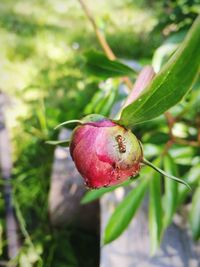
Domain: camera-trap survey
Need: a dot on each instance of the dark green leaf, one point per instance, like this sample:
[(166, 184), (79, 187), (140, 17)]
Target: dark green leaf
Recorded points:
[(123, 214), (170, 84), (195, 214), (98, 64), (155, 211), (171, 191), (97, 193)]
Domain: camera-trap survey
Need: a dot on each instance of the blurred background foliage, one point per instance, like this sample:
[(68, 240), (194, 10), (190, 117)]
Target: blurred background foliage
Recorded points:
[(43, 74)]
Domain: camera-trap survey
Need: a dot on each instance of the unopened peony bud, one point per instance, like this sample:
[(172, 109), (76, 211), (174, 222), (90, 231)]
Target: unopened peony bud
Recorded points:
[(104, 152)]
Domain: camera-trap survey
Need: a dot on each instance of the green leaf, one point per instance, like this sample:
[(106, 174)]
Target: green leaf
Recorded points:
[(151, 150), (182, 155), (155, 211), (102, 102), (107, 103), (99, 65), (170, 84), (125, 211), (97, 193), (58, 142), (171, 191), (163, 52), (192, 177), (91, 106), (195, 214)]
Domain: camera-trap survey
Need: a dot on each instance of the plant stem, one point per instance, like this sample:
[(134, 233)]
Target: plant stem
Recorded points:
[(108, 51), (198, 128), (186, 142), (176, 140), (102, 40), (148, 163), (170, 122)]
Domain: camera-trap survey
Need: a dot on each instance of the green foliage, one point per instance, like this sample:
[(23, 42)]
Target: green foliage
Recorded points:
[(167, 49), (99, 65), (103, 100), (169, 85), (155, 210), (180, 14), (124, 212), (160, 214), (192, 177), (96, 194), (171, 191)]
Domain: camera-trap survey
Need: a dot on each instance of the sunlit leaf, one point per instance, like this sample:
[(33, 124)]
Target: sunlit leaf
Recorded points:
[(170, 84), (124, 212), (163, 52), (107, 103), (97, 193)]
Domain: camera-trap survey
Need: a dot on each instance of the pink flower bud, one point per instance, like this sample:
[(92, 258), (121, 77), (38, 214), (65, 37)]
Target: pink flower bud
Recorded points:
[(104, 152)]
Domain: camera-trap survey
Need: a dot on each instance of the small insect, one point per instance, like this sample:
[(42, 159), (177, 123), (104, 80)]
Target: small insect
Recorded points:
[(121, 144)]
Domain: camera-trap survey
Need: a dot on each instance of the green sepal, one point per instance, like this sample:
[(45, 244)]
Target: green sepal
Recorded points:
[(68, 122)]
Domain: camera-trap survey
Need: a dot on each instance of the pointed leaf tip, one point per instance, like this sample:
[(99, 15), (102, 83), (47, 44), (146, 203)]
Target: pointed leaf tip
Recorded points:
[(148, 163)]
